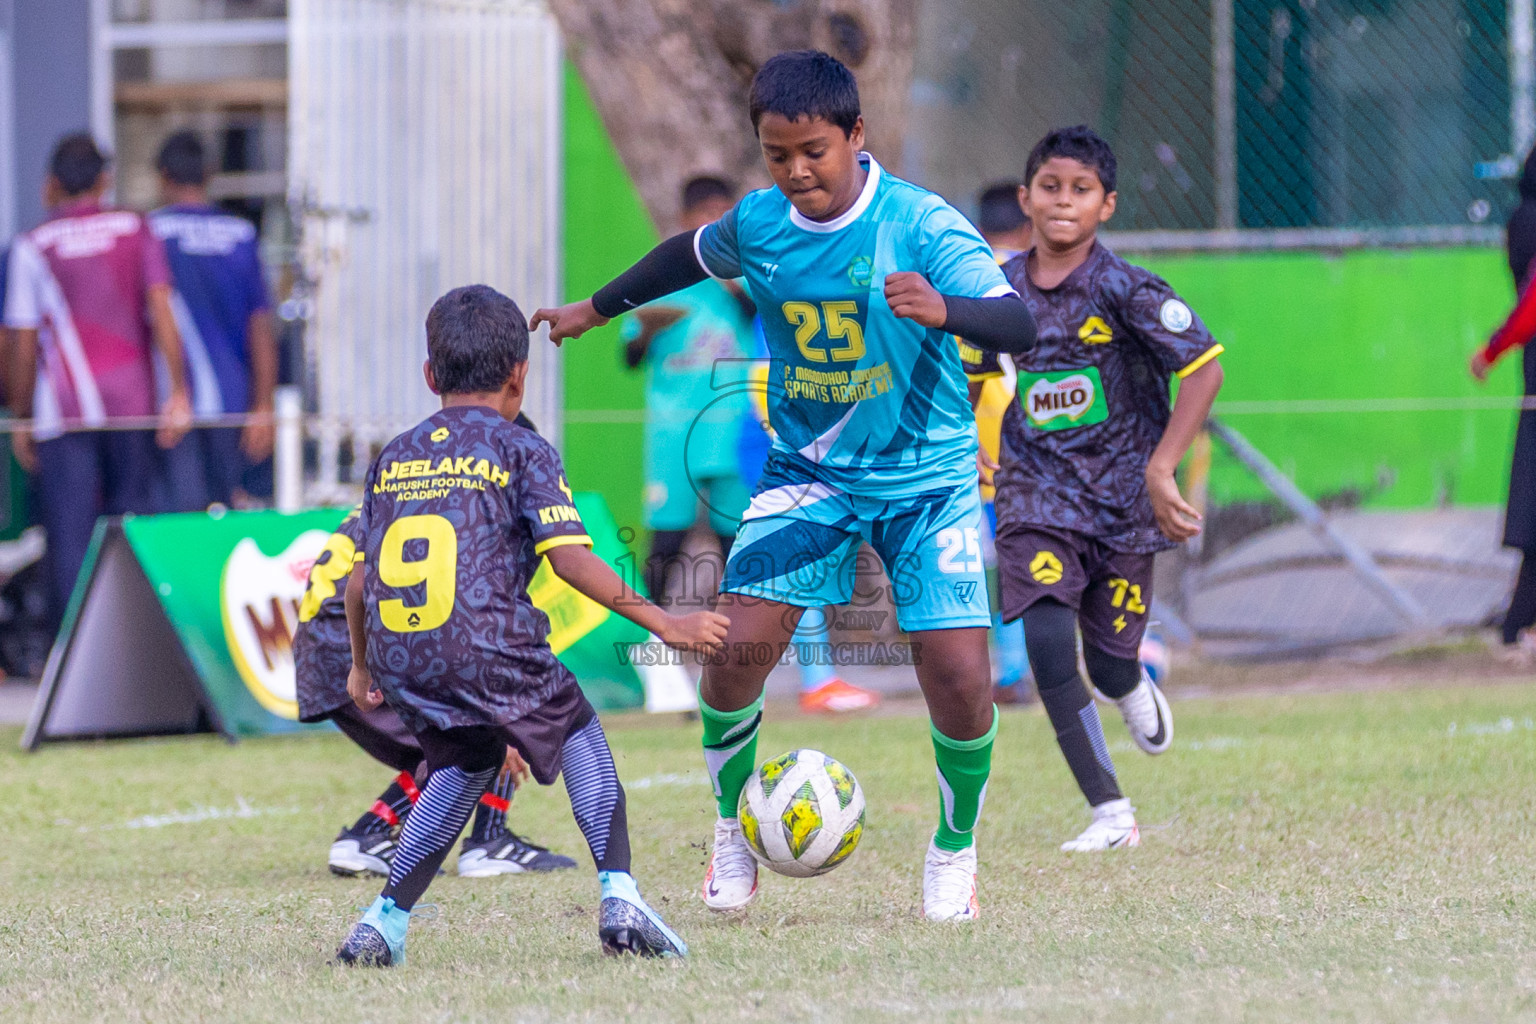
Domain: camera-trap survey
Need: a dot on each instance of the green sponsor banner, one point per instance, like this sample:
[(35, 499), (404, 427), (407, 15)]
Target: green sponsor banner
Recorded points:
[(230, 586), (185, 623)]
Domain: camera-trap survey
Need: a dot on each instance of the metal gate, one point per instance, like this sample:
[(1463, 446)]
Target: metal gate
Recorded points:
[(424, 154)]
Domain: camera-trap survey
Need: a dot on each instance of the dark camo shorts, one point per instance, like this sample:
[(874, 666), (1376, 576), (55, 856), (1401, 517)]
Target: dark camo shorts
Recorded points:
[(1111, 591), (540, 737)]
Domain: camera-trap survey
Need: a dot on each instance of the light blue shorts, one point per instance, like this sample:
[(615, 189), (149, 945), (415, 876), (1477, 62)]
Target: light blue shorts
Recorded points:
[(800, 538)]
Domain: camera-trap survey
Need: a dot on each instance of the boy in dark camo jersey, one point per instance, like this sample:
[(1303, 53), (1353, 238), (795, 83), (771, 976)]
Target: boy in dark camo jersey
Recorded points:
[(456, 513), (1086, 493), (322, 657)]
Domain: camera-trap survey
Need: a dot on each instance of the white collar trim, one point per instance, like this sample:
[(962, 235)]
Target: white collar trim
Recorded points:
[(849, 215)]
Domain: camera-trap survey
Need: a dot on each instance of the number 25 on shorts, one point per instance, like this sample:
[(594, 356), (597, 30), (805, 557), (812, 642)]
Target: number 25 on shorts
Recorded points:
[(437, 568), (962, 549)]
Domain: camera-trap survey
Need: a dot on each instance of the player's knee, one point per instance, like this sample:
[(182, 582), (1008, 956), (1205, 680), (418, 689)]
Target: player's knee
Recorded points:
[(1050, 639), (731, 683), (1114, 676)]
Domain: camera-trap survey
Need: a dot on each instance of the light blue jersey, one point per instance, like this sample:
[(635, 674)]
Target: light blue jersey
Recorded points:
[(877, 404)]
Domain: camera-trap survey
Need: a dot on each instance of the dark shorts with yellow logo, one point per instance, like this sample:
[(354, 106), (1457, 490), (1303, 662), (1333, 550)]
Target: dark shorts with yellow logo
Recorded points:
[(1110, 590)]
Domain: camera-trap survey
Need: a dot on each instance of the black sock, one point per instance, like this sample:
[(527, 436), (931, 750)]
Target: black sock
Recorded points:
[(491, 811), (1051, 640), (435, 822), (597, 798), (1522, 605), (1115, 677), (666, 546), (390, 808)]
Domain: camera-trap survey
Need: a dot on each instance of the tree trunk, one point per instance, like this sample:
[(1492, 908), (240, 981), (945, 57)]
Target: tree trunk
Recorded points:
[(670, 78)]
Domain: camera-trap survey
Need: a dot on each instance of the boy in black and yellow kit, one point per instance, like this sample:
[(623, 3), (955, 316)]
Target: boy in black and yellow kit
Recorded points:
[(1086, 492)]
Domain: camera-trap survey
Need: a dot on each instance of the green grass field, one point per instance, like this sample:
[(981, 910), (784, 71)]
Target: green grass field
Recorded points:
[(1337, 857)]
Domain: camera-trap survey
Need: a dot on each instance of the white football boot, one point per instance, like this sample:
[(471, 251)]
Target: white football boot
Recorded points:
[(1147, 716), (1113, 828), (949, 884), (731, 881), (362, 853)]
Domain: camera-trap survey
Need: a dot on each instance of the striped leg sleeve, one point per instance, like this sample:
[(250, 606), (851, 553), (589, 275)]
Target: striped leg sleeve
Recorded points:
[(433, 825), (597, 798)]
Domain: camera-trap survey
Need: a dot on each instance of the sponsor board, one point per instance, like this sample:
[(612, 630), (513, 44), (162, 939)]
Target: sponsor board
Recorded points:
[(184, 623)]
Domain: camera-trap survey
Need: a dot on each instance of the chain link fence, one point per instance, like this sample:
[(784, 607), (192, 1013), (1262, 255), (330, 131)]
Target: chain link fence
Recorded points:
[(1365, 115)]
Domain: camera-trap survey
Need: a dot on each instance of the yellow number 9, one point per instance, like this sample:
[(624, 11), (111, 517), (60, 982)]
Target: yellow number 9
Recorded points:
[(324, 576), (438, 569)]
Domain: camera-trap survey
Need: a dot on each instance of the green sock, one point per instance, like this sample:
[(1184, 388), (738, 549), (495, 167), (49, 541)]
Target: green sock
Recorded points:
[(964, 766), (730, 750)]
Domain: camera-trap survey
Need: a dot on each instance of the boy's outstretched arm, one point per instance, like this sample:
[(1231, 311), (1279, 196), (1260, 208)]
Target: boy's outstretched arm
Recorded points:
[(670, 267), (590, 575), (359, 681), (1177, 518)]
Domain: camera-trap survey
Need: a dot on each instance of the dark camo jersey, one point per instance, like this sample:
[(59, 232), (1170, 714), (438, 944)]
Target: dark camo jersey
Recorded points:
[(322, 650), (1092, 400), (455, 514)]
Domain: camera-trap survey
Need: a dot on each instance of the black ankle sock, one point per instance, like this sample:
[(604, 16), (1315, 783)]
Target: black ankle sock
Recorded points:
[(1522, 605)]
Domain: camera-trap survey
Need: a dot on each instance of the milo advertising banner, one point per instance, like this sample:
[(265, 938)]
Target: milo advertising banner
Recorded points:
[(184, 623)]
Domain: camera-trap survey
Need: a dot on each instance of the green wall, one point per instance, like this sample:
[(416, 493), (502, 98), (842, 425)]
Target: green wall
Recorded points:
[(1310, 327), (606, 229), (1362, 326)]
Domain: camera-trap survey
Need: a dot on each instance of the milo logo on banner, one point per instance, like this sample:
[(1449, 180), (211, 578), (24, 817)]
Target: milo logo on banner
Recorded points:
[(259, 599), (1069, 398)]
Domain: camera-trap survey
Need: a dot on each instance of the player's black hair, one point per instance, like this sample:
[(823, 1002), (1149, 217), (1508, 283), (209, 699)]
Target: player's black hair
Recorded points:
[(475, 337), (704, 187), (999, 208), (182, 160), (805, 83), (1079, 143), (76, 163)]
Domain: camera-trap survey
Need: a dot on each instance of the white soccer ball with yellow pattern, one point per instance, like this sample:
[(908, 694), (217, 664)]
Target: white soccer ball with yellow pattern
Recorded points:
[(802, 813)]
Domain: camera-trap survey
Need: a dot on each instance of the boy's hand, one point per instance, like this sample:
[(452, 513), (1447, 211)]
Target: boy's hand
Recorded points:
[(175, 419), (1176, 517), (515, 766), (985, 466), (25, 449), (1479, 366), (570, 321), (911, 296), (701, 629), (361, 689)]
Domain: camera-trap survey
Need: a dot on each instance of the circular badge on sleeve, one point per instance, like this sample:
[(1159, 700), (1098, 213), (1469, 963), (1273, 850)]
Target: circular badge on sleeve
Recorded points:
[(1176, 316)]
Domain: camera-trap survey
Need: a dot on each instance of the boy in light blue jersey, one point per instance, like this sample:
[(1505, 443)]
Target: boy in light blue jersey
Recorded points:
[(860, 279)]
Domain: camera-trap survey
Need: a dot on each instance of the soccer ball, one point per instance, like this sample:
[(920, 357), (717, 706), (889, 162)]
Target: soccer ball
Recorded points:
[(1154, 657), (802, 813)]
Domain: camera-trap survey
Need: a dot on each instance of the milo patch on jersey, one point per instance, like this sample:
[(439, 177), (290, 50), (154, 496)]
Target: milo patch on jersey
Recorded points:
[(1065, 399)]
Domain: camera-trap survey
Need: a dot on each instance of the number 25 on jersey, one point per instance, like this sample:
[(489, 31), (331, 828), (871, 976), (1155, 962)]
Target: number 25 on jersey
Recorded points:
[(841, 324)]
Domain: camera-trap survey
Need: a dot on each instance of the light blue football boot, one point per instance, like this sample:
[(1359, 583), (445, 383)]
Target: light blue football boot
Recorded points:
[(378, 940), (627, 924)]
